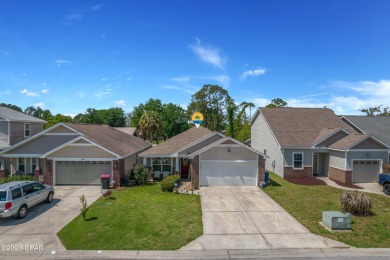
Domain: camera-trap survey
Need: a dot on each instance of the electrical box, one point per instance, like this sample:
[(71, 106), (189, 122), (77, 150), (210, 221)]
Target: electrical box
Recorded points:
[(336, 220)]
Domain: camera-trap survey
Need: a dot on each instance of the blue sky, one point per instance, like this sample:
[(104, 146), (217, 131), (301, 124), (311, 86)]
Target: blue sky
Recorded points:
[(67, 56)]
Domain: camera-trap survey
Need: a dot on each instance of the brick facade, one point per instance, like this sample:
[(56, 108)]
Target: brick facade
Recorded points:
[(118, 171), (194, 171), (289, 172), (342, 176), (260, 169), (37, 173), (3, 173), (48, 177)]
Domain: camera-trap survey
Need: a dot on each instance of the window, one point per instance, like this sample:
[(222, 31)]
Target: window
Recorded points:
[(22, 165), (3, 195), (37, 186), (34, 164), (161, 164), (298, 160), (16, 193), (26, 130), (27, 189), (265, 151)]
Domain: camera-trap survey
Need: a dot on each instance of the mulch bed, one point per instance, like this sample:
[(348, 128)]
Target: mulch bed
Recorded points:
[(352, 186), (306, 181)]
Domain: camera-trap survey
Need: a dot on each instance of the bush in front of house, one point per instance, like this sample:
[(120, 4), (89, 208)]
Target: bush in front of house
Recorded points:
[(17, 178), (168, 184), (141, 174), (356, 203)]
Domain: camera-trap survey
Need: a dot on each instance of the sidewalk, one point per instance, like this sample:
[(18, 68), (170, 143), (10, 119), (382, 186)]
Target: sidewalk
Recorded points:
[(211, 254)]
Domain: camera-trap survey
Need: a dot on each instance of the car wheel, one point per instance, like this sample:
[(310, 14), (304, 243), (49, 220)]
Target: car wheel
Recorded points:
[(386, 188), (49, 198), (22, 212)]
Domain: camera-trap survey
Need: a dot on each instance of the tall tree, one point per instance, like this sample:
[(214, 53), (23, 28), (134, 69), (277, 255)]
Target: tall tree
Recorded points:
[(138, 111), (212, 101), (376, 111), (277, 102), (58, 118), (14, 107), (149, 123), (175, 120)]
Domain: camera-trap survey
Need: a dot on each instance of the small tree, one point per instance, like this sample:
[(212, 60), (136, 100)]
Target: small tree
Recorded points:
[(141, 174), (84, 206)]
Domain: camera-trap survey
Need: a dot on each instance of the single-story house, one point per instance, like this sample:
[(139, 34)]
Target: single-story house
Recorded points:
[(378, 126), (74, 154), (304, 142), (207, 158)]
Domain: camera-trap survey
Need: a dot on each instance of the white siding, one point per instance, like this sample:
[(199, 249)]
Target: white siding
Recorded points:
[(337, 160), (262, 139), (384, 156)]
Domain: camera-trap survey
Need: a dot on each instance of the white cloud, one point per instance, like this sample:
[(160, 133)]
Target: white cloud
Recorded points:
[(39, 104), (182, 79), (29, 93), (104, 79), (222, 79), (256, 72), (75, 16), (3, 93), (44, 91), (121, 103), (209, 55), (107, 92), (97, 7), (60, 62), (186, 89), (129, 78), (261, 102), (80, 94)]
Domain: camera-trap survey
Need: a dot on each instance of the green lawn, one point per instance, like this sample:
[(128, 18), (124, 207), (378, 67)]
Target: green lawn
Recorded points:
[(139, 218), (306, 204)]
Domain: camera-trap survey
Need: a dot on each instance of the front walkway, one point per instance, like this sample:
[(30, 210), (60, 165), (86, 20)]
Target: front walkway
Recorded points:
[(367, 187), (247, 218)]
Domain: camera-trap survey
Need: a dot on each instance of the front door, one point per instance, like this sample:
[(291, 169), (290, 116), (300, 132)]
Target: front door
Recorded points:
[(315, 164), (184, 168)]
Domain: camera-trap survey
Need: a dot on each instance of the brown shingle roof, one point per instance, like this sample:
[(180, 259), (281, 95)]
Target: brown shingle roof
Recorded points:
[(348, 141), (326, 132), (177, 142), (110, 138), (300, 127), (127, 130)]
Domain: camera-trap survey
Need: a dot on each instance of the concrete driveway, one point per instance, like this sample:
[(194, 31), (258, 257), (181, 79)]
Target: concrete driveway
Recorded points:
[(43, 221), (247, 218)]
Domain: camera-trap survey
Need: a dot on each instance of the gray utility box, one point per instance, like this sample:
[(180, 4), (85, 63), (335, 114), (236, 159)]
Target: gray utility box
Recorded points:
[(336, 220)]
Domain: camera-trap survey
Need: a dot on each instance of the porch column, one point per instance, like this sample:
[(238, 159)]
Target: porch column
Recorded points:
[(144, 160), (177, 165)]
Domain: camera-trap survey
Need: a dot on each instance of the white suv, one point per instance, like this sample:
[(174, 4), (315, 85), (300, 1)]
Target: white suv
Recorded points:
[(18, 196)]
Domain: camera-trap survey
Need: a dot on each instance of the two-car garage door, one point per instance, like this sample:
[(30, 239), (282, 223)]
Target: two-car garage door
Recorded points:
[(81, 172), (365, 171), (228, 173)]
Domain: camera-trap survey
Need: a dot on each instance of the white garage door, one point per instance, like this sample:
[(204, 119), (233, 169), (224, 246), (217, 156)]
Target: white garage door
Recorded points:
[(81, 172), (228, 173), (365, 171)]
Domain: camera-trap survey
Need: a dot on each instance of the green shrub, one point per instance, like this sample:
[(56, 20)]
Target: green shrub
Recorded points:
[(168, 183), (17, 178), (141, 174), (357, 203)]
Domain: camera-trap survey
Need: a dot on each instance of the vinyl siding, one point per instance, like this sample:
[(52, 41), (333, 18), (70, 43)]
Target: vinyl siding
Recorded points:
[(307, 157), (369, 144), (81, 152), (3, 132), (262, 139), (337, 159), (129, 163), (17, 131), (202, 144), (222, 153), (61, 129), (352, 155)]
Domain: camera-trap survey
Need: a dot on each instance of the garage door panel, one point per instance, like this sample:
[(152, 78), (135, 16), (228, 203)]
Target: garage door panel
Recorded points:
[(81, 173), (365, 171), (228, 173)]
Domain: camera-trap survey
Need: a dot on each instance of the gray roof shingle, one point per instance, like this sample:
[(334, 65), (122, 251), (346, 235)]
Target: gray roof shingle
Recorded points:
[(14, 115)]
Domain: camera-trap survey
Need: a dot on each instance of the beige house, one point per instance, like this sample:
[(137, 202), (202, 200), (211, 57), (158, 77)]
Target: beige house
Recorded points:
[(74, 154), (305, 142), (206, 158)]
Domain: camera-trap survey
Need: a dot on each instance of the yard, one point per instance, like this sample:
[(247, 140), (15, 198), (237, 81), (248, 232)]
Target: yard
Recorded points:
[(139, 218), (306, 204)]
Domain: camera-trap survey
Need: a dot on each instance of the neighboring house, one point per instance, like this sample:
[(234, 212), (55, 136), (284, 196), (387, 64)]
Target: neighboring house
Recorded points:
[(378, 126), (75, 154), (304, 142), (129, 130), (16, 126), (207, 158)]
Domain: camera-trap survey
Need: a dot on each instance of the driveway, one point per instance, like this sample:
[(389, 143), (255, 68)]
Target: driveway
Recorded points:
[(247, 218), (43, 221), (371, 187)]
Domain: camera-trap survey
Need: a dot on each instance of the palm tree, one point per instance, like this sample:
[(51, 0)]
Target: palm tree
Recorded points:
[(149, 123)]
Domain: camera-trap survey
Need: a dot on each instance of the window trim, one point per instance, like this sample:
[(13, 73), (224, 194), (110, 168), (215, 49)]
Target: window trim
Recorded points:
[(293, 160), (161, 164), (29, 130), (24, 163), (31, 163)]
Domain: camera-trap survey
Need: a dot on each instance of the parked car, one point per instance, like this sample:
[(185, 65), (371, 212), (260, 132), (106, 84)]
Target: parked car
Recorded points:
[(18, 196), (384, 180)]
